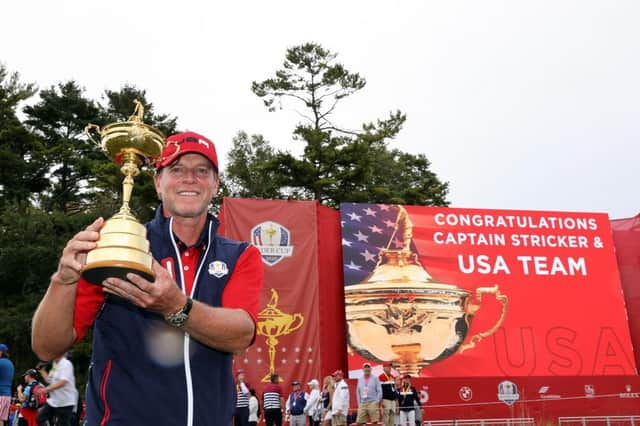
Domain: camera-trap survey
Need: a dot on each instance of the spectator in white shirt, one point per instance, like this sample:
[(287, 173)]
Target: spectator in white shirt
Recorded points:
[(314, 403), (63, 395), (340, 402), (254, 408)]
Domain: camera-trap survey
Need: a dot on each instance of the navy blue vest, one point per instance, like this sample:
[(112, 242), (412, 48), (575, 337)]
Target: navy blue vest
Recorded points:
[(144, 372)]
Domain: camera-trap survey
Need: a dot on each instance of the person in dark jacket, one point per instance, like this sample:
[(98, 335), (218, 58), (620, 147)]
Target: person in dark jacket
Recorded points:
[(296, 403), (162, 350), (407, 397)]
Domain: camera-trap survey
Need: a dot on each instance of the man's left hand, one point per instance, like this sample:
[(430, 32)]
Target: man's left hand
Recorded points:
[(162, 296)]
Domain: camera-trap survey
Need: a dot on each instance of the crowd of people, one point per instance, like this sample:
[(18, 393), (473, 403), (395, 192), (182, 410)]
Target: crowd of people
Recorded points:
[(389, 398), (45, 395), (48, 396)]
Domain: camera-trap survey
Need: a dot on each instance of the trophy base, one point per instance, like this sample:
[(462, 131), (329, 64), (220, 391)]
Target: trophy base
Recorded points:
[(97, 272)]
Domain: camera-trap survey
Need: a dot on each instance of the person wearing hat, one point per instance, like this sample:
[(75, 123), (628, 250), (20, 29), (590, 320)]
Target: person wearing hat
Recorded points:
[(389, 396), (369, 394), (7, 370), (162, 350), (273, 401), (313, 409), (30, 378), (340, 400), (407, 398), (296, 403)]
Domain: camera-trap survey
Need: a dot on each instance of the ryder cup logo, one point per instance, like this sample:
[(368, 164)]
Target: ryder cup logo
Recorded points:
[(508, 392), (218, 269), (273, 240)]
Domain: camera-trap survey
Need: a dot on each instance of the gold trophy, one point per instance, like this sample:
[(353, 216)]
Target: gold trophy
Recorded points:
[(123, 245), (273, 323), (400, 314)]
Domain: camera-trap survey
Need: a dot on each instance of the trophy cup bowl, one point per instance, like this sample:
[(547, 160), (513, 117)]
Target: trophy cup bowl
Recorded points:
[(123, 246), (131, 136), (401, 315)]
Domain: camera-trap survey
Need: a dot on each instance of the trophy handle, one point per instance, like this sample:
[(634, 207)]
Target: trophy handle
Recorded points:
[(87, 131), (300, 320), (502, 299)]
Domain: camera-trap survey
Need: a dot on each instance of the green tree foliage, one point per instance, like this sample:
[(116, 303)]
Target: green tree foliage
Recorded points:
[(59, 119), (119, 105), (339, 164), (248, 173), (22, 171), (30, 244)]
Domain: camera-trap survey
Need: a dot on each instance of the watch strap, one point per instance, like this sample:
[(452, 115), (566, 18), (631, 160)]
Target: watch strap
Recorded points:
[(178, 318)]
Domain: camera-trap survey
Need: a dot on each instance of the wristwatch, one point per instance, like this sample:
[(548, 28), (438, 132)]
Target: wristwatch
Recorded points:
[(177, 319)]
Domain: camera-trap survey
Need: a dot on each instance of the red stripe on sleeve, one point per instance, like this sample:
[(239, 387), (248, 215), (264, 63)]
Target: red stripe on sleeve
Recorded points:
[(89, 300), (243, 289)]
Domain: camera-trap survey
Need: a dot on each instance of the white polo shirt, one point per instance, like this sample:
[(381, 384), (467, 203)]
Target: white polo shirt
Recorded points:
[(68, 394)]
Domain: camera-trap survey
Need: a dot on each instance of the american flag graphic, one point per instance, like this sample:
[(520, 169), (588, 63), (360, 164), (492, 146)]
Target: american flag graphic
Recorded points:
[(366, 229)]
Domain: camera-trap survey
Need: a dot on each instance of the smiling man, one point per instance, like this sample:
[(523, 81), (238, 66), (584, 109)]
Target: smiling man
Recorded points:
[(162, 350)]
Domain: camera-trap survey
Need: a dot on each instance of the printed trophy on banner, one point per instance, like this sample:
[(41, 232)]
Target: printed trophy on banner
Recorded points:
[(400, 314), (123, 245), (274, 323)]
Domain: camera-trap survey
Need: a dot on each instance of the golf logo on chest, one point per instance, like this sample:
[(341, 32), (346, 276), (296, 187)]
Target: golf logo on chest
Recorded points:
[(218, 269)]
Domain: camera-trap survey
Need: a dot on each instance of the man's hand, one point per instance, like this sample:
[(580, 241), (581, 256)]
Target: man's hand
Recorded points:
[(162, 296), (74, 255)]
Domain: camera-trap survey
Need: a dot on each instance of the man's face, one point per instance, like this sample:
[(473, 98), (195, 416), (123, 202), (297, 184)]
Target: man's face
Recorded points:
[(187, 186), (366, 370), (387, 369)]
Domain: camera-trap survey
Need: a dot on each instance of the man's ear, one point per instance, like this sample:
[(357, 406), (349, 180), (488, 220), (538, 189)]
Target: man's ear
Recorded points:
[(156, 183)]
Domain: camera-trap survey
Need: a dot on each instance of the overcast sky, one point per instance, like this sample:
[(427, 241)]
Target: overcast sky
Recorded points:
[(528, 105)]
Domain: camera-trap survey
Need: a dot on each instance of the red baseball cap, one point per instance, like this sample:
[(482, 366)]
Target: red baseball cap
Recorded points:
[(338, 372), (184, 143), (387, 364)]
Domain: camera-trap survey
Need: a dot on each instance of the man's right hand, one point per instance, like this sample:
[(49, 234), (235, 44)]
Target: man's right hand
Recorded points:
[(74, 255)]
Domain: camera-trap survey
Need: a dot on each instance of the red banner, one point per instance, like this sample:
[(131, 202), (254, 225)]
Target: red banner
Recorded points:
[(626, 235), (466, 292), (289, 328)]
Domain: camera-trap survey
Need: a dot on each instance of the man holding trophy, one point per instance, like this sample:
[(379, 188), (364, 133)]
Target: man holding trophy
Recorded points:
[(165, 327)]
